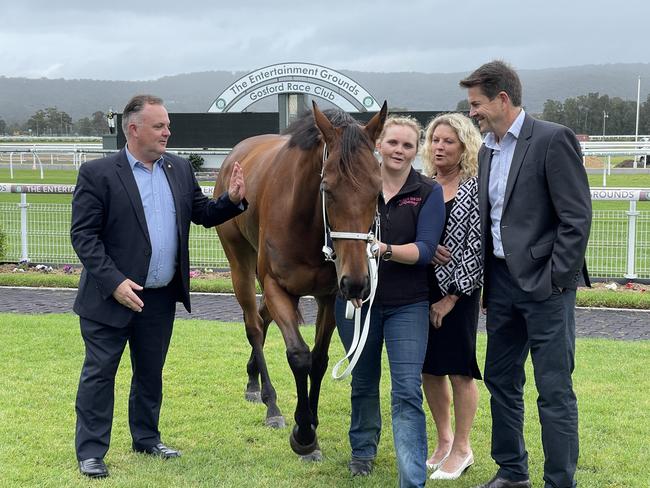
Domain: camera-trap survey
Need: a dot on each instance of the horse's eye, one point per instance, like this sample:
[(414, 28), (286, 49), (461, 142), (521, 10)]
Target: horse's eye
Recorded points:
[(323, 187)]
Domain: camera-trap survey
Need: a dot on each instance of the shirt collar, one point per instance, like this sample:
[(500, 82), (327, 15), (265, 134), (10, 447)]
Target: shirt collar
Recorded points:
[(515, 129), (133, 161)]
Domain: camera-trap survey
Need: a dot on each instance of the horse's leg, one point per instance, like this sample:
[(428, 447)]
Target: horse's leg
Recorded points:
[(284, 308), (274, 416), (325, 324), (253, 390), (243, 262)]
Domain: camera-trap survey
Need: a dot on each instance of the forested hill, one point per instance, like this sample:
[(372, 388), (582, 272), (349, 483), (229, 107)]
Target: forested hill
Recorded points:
[(194, 92)]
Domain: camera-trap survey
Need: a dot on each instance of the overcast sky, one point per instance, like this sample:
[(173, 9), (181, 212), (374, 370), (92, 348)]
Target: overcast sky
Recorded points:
[(144, 40)]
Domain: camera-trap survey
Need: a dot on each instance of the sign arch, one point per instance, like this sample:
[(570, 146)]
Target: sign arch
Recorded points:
[(291, 78)]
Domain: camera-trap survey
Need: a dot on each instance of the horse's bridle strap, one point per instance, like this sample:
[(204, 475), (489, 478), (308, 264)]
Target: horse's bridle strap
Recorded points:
[(349, 235)]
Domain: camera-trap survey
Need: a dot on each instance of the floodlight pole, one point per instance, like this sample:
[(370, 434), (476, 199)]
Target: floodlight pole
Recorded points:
[(638, 104)]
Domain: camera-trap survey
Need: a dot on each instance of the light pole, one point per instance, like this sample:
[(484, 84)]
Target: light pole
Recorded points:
[(638, 104), (605, 117)]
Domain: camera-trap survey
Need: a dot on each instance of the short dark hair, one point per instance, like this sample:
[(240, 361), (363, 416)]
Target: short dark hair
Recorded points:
[(135, 105), (495, 77)]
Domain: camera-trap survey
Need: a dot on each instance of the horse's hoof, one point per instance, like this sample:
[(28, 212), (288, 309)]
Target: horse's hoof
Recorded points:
[(303, 449), (314, 457), (253, 396), (276, 422)]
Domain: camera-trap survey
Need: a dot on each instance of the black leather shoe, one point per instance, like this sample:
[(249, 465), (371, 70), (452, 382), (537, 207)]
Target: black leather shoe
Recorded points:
[(497, 482), (93, 468), (160, 450), (360, 467)]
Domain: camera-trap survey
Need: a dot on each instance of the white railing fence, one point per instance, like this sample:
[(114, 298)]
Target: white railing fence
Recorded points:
[(619, 244)]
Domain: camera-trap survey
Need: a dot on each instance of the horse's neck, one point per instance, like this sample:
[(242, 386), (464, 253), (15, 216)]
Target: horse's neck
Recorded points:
[(305, 192)]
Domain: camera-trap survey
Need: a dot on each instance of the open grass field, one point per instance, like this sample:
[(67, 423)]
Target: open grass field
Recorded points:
[(223, 440)]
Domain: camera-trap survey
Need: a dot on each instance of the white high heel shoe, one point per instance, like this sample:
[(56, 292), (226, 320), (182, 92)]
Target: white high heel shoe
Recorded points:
[(434, 466), (439, 474)]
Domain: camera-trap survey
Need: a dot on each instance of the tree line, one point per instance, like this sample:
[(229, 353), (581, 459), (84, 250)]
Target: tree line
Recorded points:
[(594, 114), (54, 122)]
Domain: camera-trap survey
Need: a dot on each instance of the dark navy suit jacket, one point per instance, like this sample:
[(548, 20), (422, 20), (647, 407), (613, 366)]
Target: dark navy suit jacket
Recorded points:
[(109, 231)]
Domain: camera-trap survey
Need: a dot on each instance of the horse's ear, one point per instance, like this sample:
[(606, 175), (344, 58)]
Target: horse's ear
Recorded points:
[(376, 124), (324, 125)]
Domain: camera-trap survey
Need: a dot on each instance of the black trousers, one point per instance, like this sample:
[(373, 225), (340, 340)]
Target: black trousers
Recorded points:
[(148, 335), (516, 325)]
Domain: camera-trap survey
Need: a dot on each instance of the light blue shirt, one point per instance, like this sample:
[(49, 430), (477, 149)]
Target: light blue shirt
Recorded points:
[(160, 214), (502, 152)]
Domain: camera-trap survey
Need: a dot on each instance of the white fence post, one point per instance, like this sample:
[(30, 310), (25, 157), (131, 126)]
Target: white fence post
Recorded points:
[(23, 227), (631, 240), (609, 165)]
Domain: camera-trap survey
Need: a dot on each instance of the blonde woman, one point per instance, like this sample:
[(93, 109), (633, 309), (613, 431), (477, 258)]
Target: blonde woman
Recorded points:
[(449, 155)]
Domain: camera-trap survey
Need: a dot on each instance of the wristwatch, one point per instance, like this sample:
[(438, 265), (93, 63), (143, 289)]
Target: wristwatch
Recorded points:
[(453, 290), (388, 253)]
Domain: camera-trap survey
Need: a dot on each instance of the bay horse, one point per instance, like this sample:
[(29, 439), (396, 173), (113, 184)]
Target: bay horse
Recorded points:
[(323, 155)]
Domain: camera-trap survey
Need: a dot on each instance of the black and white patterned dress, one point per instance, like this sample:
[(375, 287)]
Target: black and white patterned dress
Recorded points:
[(452, 347)]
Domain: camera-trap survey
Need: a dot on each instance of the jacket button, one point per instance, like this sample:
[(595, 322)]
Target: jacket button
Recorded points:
[(147, 252)]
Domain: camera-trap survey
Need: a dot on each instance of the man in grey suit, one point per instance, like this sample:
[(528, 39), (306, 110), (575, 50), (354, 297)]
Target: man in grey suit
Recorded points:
[(535, 219)]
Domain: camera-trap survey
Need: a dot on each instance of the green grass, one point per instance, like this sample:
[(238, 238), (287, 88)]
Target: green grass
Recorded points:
[(222, 437)]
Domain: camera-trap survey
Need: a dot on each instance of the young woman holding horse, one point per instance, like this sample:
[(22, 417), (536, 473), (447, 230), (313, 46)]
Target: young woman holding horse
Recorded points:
[(450, 154), (412, 217)]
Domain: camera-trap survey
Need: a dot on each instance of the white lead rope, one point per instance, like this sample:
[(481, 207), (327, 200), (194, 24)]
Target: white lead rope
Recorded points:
[(360, 334)]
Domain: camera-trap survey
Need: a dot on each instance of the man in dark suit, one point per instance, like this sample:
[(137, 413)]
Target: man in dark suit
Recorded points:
[(131, 216), (535, 219)]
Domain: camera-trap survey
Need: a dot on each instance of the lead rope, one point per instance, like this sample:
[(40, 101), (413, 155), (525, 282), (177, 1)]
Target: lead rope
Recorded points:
[(360, 334)]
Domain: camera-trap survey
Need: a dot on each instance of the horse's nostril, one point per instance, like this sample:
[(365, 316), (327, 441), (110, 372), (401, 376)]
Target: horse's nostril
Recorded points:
[(355, 288)]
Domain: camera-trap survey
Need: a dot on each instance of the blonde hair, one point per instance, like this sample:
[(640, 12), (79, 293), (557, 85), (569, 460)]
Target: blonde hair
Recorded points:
[(402, 120), (469, 137)]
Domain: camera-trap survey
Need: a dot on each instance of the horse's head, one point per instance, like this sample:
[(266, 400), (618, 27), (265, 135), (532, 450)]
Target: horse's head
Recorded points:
[(351, 184)]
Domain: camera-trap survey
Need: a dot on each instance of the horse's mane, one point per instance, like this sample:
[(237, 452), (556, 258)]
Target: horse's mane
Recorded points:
[(305, 135)]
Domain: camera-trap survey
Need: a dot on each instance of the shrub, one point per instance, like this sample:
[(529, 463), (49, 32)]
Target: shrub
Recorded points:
[(196, 160), (3, 244)]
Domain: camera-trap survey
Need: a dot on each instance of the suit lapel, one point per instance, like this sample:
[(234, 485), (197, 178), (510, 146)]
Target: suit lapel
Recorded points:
[(125, 173), (484, 163), (518, 157), (172, 178)]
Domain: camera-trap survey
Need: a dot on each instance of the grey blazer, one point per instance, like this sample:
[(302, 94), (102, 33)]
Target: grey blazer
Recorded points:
[(546, 210)]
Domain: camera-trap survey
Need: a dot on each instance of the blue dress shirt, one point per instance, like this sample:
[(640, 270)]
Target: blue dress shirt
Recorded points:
[(160, 214), (502, 152)]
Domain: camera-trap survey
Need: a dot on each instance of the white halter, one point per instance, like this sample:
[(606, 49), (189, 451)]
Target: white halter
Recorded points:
[(360, 334)]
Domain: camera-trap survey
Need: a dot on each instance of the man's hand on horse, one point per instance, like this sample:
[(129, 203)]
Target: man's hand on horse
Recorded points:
[(125, 294), (236, 190)]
